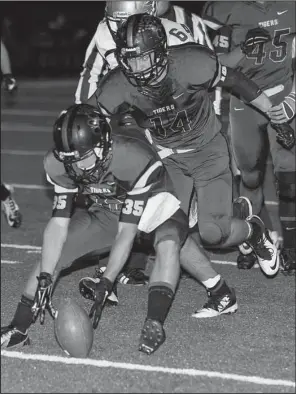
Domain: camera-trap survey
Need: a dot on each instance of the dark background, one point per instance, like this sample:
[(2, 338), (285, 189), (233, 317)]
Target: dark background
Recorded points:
[(49, 38)]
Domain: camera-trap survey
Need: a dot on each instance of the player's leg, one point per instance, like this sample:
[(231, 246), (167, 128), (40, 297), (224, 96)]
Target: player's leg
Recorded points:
[(217, 226), (87, 231), (248, 142), (284, 166), (9, 206), (250, 147), (163, 279), (8, 79)]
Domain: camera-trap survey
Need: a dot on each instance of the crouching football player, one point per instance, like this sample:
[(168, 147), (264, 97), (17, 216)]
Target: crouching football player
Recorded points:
[(86, 157)]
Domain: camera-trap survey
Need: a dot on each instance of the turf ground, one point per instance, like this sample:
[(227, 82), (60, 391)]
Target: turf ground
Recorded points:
[(250, 351)]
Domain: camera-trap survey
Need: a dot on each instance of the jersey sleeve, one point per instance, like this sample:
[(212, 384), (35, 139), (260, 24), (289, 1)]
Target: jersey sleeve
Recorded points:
[(216, 15), (65, 190), (150, 190)]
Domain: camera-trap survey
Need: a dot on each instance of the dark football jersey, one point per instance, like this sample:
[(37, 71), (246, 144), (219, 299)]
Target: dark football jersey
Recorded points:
[(135, 174), (270, 63), (180, 113)]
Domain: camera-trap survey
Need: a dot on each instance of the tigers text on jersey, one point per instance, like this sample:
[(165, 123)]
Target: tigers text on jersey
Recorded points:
[(99, 57), (270, 63), (135, 174), (180, 113)]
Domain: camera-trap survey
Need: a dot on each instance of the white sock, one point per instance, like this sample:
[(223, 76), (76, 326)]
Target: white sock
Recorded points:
[(210, 283)]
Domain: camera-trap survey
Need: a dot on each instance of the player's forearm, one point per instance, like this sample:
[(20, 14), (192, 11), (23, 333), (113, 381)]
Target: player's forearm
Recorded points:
[(54, 237), (231, 59), (245, 88), (120, 250)]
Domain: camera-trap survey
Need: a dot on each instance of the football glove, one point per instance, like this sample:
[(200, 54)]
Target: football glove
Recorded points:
[(42, 300), (253, 38), (285, 135), (285, 111), (102, 291), (9, 83)]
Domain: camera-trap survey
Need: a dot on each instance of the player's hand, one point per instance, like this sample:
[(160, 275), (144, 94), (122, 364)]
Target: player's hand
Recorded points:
[(285, 135), (102, 291), (253, 38), (285, 111), (43, 296)]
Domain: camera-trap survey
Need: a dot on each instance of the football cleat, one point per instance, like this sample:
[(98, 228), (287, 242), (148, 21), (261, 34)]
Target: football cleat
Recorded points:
[(133, 276), (9, 83), (217, 304), (11, 210), (246, 261), (11, 337), (288, 261), (87, 288), (242, 209), (262, 245), (152, 336)]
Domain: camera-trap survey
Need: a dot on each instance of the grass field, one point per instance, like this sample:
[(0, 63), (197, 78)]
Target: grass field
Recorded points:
[(250, 351)]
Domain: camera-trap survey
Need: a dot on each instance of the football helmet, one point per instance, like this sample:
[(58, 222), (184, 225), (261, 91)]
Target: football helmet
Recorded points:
[(80, 132), (117, 12), (142, 40)]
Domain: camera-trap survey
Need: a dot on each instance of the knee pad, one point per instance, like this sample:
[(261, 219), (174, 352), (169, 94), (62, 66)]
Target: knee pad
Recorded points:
[(175, 228), (252, 179), (286, 185), (215, 231)]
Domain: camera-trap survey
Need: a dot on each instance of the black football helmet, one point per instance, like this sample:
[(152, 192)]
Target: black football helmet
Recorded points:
[(80, 131), (142, 36), (117, 12)]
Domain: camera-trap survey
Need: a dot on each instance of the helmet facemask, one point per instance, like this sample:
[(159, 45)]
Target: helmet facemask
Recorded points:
[(144, 69), (141, 50)]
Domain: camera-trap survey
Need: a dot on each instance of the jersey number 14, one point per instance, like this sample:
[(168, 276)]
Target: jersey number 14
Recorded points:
[(180, 124)]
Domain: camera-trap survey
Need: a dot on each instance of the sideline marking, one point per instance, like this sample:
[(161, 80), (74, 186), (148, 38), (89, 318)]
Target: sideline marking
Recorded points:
[(147, 368), (11, 262)]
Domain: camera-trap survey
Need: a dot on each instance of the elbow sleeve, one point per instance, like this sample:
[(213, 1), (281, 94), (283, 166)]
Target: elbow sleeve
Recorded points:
[(239, 84)]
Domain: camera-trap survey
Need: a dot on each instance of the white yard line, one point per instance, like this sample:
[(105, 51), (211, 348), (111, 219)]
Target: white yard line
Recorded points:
[(147, 368), (37, 249), (21, 152), (30, 187), (29, 112), (25, 247), (11, 262), (24, 128)]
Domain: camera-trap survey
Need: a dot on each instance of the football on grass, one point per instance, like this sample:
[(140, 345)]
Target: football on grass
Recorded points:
[(73, 330)]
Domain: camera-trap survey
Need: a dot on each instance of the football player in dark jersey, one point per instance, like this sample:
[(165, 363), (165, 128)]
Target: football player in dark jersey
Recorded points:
[(258, 38), (86, 157), (166, 91), (99, 60)]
